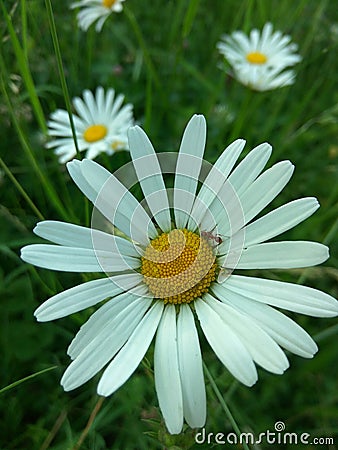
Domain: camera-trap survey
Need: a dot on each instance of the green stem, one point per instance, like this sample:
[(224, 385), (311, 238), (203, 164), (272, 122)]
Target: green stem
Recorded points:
[(242, 114), (25, 71), (29, 152), (20, 189), (61, 71), (223, 404), (29, 377)]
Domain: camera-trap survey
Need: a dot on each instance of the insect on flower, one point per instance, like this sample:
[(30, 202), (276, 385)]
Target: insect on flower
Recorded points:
[(212, 237)]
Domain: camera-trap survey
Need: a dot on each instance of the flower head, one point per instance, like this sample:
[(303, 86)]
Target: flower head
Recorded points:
[(258, 61), (177, 260), (101, 125), (92, 10)]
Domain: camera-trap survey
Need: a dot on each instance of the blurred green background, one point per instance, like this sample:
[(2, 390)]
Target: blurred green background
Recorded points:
[(162, 55)]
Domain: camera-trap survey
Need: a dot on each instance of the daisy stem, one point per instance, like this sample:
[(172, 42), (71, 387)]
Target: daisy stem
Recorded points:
[(242, 114), (27, 149), (20, 189), (53, 432), (91, 419), (223, 404), (25, 71), (61, 71)]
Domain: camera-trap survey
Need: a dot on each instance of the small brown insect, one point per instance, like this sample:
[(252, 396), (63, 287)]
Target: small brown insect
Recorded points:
[(212, 237)]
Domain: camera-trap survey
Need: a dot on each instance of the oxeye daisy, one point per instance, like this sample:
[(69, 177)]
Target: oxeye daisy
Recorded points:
[(101, 125), (259, 60), (170, 273), (92, 10)]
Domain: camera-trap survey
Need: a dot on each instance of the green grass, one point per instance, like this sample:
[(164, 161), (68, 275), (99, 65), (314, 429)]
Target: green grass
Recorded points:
[(168, 68)]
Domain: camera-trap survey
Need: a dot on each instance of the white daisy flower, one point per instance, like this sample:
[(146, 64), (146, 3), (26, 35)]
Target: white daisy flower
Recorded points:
[(258, 61), (171, 268), (101, 125), (93, 10)]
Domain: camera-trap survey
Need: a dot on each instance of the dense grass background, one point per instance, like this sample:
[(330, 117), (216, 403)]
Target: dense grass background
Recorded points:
[(162, 55)]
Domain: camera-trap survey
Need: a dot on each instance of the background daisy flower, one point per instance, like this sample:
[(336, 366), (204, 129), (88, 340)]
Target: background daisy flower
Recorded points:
[(92, 10), (101, 125), (170, 269), (258, 61)]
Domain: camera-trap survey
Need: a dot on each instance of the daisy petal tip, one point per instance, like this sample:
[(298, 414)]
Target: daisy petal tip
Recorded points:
[(37, 227), (23, 253), (103, 391), (198, 120), (250, 383), (73, 163), (314, 348), (134, 130), (65, 386), (37, 314), (326, 254), (240, 141)]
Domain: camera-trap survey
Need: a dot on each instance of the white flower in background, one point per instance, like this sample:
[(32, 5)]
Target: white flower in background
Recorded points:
[(171, 266), (92, 10), (258, 61), (101, 125)]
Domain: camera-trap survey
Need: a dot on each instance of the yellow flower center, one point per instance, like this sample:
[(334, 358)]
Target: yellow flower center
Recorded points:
[(116, 145), (108, 3), (95, 133), (256, 58), (179, 266)]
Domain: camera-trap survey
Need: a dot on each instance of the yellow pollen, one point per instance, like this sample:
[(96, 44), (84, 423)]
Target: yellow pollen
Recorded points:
[(116, 145), (95, 133), (179, 266), (108, 3), (256, 58)]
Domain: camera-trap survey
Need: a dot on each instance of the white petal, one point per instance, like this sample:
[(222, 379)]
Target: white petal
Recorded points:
[(282, 255), (251, 166), (261, 346), (72, 235), (97, 321), (259, 194), (226, 345), (265, 189), (280, 220), (289, 296), (188, 167), (167, 377), (74, 169), (82, 110), (131, 354), (150, 176), (281, 328), (117, 204), (215, 180), (227, 207), (83, 296), (190, 368), (91, 103), (74, 259), (106, 344)]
